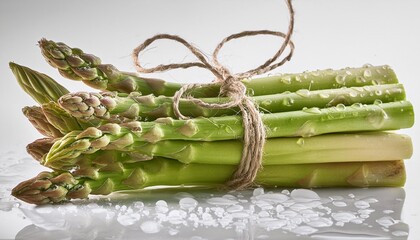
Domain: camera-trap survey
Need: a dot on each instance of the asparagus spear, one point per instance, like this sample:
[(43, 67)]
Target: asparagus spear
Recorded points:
[(306, 123), (74, 64), (277, 151), (39, 86), (38, 119), (55, 187), (134, 106), (40, 147), (63, 121)]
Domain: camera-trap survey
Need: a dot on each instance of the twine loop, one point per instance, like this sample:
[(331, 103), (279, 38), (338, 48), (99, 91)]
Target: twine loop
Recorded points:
[(232, 87)]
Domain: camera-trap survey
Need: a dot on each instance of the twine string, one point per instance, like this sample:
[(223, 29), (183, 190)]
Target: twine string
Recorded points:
[(254, 134)]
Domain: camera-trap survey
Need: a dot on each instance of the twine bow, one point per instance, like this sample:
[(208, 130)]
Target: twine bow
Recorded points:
[(232, 87)]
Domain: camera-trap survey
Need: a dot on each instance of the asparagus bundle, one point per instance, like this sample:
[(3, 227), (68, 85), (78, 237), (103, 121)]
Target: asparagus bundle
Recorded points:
[(324, 129)]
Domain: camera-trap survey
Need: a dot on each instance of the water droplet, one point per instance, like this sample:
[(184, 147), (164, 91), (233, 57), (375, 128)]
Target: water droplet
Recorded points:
[(279, 208), (138, 205), (176, 216), (188, 203), (340, 107), (285, 192), (400, 233), (378, 92), (313, 110), (221, 201), (264, 205), (321, 222), (128, 219), (258, 191), (357, 220), (343, 216), (300, 141), (366, 211), (353, 94), (340, 79), (272, 197), (339, 204), (316, 73), (307, 129), (234, 208), (304, 195), (288, 101), (348, 72), (367, 65), (377, 118), (304, 230), (386, 221), (150, 227), (357, 105), (303, 92), (361, 204), (286, 80), (376, 82), (298, 78), (377, 101), (324, 95), (161, 206), (367, 73), (360, 79)]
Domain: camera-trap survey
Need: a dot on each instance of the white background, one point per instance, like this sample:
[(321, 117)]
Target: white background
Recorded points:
[(328, 34)]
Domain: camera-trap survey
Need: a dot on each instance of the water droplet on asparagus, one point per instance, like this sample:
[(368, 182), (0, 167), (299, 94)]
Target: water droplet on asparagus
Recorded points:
[(300, 141), (286, 80), (313, 110), (377, 101), (288, 101), (367, 73), (340, 79), (340, 107), (303, 92), (324, 95), (360, 79)]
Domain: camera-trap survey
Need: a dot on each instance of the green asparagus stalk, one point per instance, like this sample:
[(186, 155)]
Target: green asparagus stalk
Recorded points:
[(306, 123), (134, 106), (74, 64), (277, 151), (56, 187), (39, 86), (38, 119)]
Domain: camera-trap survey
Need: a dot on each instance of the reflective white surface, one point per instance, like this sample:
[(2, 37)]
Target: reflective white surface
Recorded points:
[(206, 214), (328, 34)]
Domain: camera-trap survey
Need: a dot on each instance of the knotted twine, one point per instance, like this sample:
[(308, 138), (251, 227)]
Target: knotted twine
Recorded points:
[(230, 86)]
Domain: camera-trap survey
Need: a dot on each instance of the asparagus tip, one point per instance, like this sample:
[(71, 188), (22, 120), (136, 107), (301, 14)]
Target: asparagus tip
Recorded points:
[(47, 188)]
